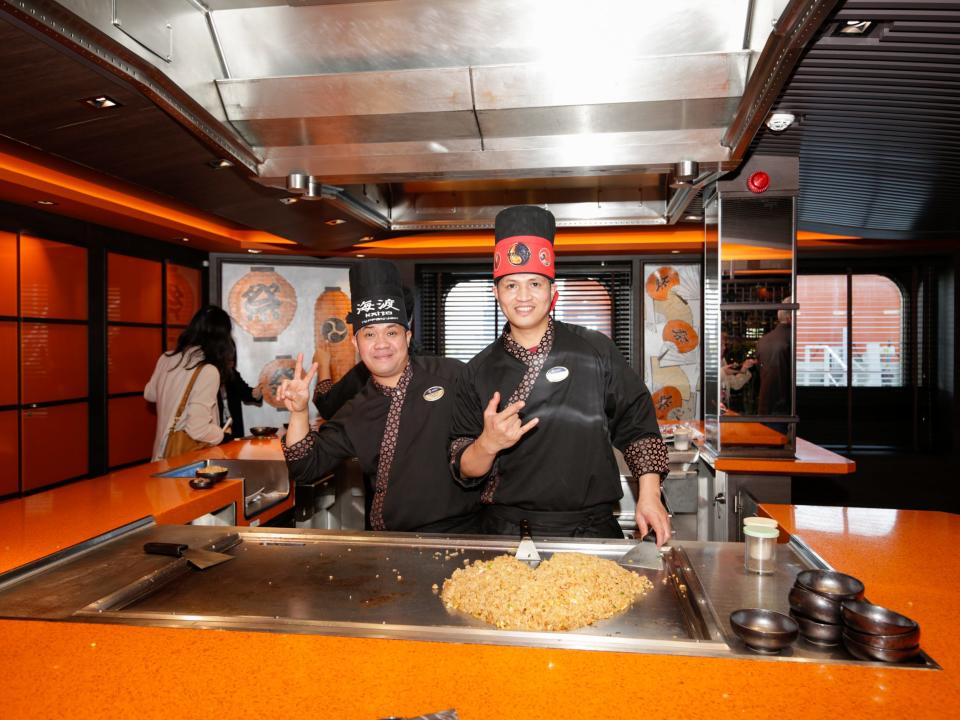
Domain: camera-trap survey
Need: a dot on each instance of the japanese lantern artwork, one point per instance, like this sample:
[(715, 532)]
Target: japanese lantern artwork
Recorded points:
[(672, 339), (331, 327), (274, 373), (263, 303)]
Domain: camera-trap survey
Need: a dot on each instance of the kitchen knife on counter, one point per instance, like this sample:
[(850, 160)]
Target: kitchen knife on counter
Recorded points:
[(200, 559), (645, 554)]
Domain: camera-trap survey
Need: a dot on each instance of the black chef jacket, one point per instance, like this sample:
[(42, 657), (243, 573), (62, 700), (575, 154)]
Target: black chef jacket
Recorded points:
[(420, 495), (566, 462)]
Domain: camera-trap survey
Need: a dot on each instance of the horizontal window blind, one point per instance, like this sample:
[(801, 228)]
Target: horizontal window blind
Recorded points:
[(876, 327), (458, 315)]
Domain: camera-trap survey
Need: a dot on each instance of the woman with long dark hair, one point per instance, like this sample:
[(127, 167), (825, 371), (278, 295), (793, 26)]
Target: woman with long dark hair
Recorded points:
[(193, 370)]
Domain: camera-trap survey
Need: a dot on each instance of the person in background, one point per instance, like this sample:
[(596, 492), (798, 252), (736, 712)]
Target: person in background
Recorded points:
[(732, 376), (234, 394), (329, 396), (396, 426), (204, 350), (774, 353), (539, 411)]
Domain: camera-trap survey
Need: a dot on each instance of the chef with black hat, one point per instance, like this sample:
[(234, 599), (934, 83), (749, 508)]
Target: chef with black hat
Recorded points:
[(539, 411), (396, 426)]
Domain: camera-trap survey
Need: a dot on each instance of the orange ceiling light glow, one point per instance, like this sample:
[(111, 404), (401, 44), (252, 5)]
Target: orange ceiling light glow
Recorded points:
[(27, 175), (569, 240)]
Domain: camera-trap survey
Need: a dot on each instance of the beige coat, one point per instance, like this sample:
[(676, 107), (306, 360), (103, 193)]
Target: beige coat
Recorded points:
[(201, 418)]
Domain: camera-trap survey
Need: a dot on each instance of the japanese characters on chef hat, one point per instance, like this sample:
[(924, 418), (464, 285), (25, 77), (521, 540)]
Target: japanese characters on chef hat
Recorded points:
[(524, 237), (376, 294)]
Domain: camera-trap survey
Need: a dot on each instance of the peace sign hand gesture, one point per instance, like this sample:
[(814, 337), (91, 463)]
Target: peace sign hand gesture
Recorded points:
[(294, 393)]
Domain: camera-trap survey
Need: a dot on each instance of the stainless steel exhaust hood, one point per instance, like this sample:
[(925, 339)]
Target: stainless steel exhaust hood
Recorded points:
[(422, 114)]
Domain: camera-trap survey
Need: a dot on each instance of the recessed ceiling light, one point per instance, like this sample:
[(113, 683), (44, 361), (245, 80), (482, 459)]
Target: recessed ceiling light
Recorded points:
[(184, 239), (101, 102), (220, 164), (366, 238), (45, 202), (288, 200), (360, 255), (336, 221), (780, 121), (674, 252), (856, 27), (254, 252)]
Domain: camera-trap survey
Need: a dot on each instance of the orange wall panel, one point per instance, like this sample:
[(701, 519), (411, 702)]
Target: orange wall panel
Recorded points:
[(8, 274), (134, 292), (53, 361), (132, 354), (173, 334), (53, 279), (8, 363), (9, 452), (184, 288), (54, 444), (131, 422)]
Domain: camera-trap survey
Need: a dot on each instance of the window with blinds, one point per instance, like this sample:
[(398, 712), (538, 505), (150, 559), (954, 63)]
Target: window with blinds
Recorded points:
[(458, 315), (864, 340)]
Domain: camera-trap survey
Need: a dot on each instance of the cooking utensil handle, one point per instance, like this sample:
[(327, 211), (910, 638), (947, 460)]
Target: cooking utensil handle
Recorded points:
[(164, 548), (525, 529)]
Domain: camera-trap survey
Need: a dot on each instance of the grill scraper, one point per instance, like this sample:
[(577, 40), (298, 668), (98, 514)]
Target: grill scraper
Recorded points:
[(526, 550)]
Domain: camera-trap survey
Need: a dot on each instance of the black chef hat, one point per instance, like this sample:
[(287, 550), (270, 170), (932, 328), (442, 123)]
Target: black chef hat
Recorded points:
[(524, 241), (376, 294)]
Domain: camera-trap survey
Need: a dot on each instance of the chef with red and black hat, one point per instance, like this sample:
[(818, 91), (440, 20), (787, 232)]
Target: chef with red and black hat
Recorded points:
[(396, 425), (539, 411)]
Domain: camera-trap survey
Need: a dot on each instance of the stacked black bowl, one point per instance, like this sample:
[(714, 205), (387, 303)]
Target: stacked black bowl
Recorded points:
[(816, 603), (871, 632)]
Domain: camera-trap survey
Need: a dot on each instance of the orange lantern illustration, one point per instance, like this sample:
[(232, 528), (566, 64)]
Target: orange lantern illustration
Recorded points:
[(183, 294), (263, 303), (667, 403), (660, 282), (681, 334), (274, 373), (330, 326)]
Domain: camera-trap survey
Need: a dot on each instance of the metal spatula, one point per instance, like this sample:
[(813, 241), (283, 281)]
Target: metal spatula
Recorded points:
[(200, 559), (645, 554), (526, 550)]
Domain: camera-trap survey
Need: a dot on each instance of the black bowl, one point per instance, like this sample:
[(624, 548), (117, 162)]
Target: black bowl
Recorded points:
[(831, 584), (765, 631), (205, 473), (885, 642), (814, 606), (875, 620), (262, 431), (818, 633), (868, 652)]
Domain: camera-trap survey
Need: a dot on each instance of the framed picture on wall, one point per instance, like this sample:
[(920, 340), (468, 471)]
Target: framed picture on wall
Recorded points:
[(672, 305), (281, 307)]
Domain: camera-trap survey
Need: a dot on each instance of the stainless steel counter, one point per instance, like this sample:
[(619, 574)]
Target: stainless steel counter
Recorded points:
[(381, 585)]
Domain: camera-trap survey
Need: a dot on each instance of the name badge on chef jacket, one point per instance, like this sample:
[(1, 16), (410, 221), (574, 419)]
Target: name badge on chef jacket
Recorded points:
[(557, 374), (432, 394)]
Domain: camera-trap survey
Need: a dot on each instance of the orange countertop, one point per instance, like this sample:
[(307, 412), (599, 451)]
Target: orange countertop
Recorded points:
[(93, 671), (809, 459), (38, 525)]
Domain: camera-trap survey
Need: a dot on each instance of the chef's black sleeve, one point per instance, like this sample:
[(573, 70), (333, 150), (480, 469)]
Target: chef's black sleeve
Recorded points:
[(329, 398), (466, 426), (318, 453)]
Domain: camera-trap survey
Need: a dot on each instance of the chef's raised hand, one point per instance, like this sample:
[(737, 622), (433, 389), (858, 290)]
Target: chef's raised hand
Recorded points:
[(502, 430), (294, 392), (321, 358)]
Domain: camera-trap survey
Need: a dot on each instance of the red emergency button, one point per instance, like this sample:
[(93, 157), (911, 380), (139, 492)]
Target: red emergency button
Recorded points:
[(758, 182)]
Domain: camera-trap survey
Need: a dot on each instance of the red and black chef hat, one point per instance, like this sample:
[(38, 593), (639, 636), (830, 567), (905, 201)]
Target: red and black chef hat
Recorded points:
[(376, 295), (524, 236)]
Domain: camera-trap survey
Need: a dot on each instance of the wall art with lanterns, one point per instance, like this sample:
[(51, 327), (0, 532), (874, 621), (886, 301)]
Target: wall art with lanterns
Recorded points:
[(280, 310), (672, 305)]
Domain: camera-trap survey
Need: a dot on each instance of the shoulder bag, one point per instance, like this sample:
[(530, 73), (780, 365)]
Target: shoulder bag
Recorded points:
[(179, 441)]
